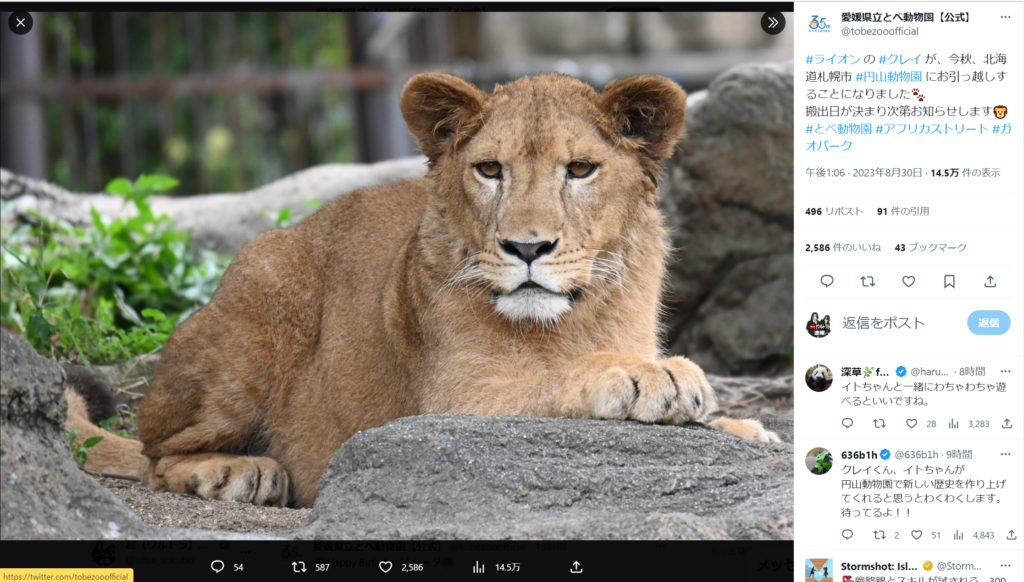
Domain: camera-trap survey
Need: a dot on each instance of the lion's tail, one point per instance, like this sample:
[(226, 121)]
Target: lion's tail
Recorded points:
[(90, 401)]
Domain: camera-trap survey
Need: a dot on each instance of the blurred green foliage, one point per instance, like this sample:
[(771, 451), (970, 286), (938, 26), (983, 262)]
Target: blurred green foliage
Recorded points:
[(213, 143), (284, 218), (110, 290)]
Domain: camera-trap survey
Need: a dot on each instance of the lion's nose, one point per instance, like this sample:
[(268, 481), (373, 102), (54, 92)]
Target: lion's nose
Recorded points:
[(528, 252)]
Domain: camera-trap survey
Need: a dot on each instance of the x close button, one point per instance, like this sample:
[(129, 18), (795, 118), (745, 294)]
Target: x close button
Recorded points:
[(20, 22)]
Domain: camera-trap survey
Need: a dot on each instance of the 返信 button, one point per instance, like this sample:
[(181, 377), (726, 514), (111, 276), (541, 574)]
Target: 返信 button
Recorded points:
[(988, 322)]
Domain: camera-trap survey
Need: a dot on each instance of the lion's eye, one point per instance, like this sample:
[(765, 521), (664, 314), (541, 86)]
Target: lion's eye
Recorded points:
[(581, 169), (489, 169)]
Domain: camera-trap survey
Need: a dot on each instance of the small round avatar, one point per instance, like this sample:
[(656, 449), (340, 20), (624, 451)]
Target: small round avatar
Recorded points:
[(819, 327), (818, 461), (818, 377)]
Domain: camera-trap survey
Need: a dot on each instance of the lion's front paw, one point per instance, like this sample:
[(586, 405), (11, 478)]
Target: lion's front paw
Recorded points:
[(749, 429), (258, 480), (669, 391)]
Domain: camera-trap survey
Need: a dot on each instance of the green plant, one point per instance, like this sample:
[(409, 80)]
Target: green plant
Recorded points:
[(284, 218), (112, 425), (109, 290), (81, 452), (132, 422)]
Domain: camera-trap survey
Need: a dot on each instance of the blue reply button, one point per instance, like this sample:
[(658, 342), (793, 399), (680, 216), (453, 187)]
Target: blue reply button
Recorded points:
[(988, 322)]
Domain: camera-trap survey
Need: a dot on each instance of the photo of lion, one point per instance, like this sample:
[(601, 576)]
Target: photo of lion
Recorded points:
[(403, 276), (522, 275)]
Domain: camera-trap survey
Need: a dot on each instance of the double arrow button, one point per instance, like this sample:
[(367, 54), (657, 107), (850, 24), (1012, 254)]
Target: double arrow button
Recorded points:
[(773, 22)]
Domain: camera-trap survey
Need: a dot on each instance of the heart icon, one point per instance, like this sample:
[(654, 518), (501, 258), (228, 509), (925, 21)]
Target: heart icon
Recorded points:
[(916, 533), (908, 280), (385, 567), (911, 422)]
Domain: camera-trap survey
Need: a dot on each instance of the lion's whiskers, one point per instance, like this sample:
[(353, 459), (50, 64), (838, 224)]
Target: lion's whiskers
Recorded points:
[(476, 274)]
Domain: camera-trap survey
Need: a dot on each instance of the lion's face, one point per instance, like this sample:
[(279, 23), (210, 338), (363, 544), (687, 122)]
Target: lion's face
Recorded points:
[(545, 191), (542, 186)]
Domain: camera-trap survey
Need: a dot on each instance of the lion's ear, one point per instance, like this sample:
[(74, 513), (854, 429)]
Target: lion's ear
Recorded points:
[(646, 110), (441, 111)]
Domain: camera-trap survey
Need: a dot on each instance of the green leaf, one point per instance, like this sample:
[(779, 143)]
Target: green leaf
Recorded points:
[(91, 442), (139, 225), (144, 210), (155, 183), (110, 423), (283, 216), (116, 226), (97, 220), (120, 186), (15, 255), (80, 326), (154, 314), (38, 330)]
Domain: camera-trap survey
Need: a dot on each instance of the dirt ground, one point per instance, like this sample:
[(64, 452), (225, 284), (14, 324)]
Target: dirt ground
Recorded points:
[(164, 509)]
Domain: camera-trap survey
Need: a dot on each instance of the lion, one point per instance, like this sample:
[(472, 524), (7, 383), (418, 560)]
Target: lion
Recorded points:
[(522, 275)]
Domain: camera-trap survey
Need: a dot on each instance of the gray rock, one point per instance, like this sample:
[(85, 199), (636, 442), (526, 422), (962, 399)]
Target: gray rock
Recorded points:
[(729, 201), (458, 476), (445, 476), (43, 493)]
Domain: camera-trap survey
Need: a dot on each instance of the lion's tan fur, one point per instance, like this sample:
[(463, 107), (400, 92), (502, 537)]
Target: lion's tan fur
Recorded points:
[(385, 302), (114, 454)]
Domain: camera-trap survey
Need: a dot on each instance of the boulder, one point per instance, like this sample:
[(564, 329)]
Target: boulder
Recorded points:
[(457, 476), (43, 493), (728, 198), (442, 476)]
